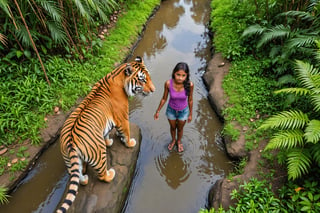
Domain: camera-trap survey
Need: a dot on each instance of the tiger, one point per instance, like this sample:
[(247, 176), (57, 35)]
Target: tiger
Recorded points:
[(84, 136)]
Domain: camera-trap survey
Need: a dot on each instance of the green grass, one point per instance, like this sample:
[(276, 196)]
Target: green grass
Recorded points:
[(3, 195)]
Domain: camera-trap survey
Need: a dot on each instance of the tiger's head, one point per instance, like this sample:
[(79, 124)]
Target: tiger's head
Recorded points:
[(138, 80)]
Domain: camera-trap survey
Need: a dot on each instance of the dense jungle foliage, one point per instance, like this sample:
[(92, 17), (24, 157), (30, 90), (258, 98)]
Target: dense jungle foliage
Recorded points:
[(275, 79), (52, 52)]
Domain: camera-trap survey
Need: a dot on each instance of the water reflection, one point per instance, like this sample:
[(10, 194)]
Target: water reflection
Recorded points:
[(176, 33), (157, 40), (199, 11), (173, 168)]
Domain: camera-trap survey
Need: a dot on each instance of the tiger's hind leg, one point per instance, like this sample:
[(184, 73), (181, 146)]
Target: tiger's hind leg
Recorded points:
[(100, 165), (82, 168), (108, 176), (107, 139)]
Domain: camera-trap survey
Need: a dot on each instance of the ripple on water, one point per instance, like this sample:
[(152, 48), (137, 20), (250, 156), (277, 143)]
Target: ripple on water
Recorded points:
[(173, 167)]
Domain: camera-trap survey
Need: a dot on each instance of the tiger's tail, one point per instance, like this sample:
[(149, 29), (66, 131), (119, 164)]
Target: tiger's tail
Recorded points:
[(75, 173)]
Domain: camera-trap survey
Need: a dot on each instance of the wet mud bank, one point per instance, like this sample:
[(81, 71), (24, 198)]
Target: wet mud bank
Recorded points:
[(219, 194)]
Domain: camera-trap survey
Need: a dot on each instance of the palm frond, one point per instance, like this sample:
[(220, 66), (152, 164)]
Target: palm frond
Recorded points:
[(57, 32), (108, 5), (299, 162), (286, 120), (84, 12), (253, 30), (312, 131), (102, 15), (3, 39), (286, 139), (277, 32), (5, 7), (23, 36), (53, 10)]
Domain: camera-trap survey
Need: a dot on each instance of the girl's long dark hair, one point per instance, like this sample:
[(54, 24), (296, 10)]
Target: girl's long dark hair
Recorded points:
[(185, 67)]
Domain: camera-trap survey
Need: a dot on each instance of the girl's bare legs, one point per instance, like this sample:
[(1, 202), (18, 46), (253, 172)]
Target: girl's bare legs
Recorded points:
[(173, 127), (180, 125)]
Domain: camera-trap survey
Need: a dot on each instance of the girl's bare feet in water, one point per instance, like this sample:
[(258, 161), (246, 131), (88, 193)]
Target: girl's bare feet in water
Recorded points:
[(171, 145), (180, 146)]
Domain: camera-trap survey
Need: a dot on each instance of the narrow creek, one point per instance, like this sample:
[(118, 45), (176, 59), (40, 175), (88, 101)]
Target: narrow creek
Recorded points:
[(164, 181)]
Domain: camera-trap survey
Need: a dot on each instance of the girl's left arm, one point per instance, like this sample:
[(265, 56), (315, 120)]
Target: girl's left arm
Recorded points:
[(190, 102)]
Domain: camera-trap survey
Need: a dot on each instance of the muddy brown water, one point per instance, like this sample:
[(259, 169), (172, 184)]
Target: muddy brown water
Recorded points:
[(164, 181)]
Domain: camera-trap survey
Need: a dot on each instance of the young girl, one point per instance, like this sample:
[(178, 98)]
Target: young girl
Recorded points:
[(179, 109)]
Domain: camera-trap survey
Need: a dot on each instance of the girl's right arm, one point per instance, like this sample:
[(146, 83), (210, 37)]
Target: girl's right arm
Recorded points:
[(163, 99)]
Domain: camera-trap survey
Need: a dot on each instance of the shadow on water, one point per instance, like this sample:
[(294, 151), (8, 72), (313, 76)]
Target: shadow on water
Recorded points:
[(164, 181)]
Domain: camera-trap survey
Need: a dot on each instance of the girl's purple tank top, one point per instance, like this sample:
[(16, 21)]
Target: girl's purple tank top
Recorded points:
[(177, 100)]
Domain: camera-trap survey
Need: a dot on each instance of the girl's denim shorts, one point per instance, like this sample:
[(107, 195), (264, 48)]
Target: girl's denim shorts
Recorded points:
[(173, 114)]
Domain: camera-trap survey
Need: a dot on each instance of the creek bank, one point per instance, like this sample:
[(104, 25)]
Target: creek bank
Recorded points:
[(219, 194)]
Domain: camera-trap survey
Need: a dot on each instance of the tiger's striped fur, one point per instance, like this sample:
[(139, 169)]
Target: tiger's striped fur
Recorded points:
[(84, 136)]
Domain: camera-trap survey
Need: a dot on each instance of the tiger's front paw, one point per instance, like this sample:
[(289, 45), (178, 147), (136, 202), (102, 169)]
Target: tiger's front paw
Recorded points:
[(109, 142), (131, 143)]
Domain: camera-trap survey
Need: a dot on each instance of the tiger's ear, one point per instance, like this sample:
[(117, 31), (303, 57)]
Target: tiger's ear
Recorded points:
[(138, 59), (128, 70)]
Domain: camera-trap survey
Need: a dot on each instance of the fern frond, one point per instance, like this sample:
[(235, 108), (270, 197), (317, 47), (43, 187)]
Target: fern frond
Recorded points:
[(316, 102), (277, 32), (286, 139), (312, 131), (306, 71), (315, 152), (299, 162), (301, 41), (305, 16), (287, 79), (253, 30), (286, 120), (297, 91)]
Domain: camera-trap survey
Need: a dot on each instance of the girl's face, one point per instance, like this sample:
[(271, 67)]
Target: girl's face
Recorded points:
[(180, 76)]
